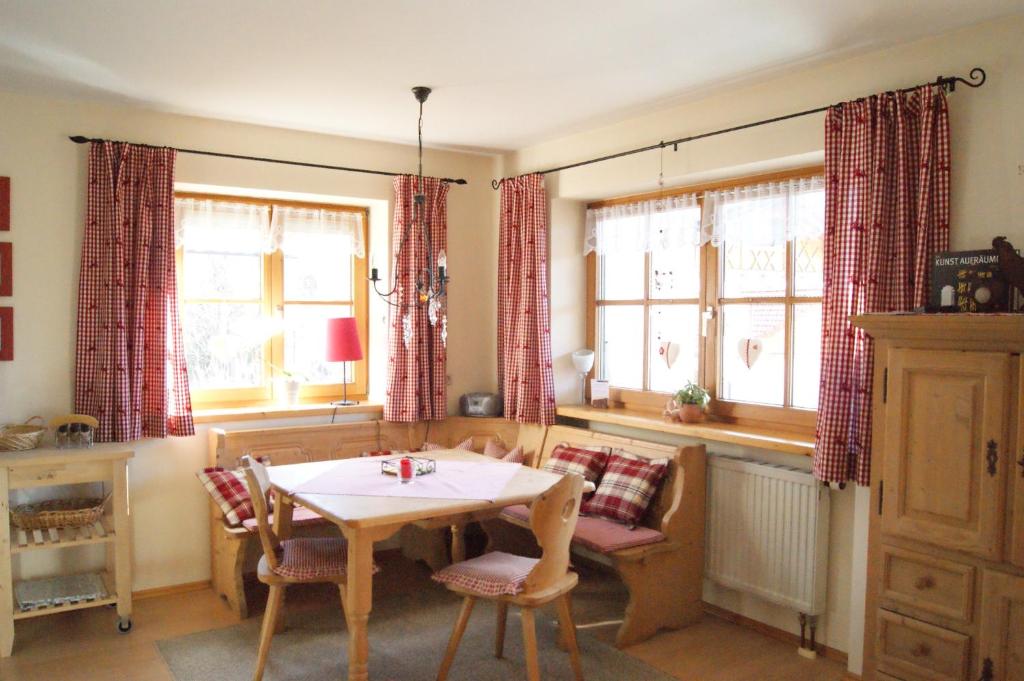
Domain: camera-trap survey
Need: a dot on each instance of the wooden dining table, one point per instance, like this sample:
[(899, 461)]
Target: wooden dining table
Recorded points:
[(364, 520)]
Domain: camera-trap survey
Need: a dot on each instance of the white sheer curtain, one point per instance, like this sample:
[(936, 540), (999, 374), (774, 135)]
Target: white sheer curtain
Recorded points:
[(295, 229), (768, 214), (669, 223), (207, 224)]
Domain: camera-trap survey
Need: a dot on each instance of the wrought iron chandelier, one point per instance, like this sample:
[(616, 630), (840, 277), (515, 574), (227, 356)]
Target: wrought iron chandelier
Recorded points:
[(431, 280)]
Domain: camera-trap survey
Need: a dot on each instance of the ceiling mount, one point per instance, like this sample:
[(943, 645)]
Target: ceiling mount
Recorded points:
[(421, 93)]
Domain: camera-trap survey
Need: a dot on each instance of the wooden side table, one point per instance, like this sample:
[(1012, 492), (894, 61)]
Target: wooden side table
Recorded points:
[(48, 467)]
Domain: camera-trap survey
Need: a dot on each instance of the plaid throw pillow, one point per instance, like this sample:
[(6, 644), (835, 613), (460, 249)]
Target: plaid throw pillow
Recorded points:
[(496, 450), (229, 491), (466, 445), (565, 459), (627, 487)]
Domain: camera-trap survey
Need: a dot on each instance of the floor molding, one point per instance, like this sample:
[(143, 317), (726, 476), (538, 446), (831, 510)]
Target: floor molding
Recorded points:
[(172, 590), (777, 634)]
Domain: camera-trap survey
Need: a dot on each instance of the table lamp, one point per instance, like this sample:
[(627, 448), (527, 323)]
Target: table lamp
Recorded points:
[(343, 346), (583, 360)]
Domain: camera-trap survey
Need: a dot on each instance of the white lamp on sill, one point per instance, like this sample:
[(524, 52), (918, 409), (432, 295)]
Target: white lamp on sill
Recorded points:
[(583, 360)]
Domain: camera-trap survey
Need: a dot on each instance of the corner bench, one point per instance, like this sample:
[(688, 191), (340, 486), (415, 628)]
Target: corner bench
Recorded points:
[(661, 561), (230, 547)]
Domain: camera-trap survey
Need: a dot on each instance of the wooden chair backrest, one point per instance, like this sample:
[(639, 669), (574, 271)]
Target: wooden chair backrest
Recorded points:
[(682, 491), (553, 517), (259, 488)]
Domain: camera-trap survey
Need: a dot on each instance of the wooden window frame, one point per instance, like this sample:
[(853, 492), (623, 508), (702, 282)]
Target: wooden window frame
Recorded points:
[(272, 307), (779, 418)]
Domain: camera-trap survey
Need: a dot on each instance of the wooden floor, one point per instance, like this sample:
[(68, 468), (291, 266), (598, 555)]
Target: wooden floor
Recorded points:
[(83, 645)]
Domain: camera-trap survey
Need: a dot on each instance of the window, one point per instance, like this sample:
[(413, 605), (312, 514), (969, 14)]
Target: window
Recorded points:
[(720, 285), (258, 279)]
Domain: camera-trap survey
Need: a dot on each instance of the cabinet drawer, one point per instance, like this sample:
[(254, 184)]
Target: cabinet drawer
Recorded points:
[(932, 585), (917, 651)]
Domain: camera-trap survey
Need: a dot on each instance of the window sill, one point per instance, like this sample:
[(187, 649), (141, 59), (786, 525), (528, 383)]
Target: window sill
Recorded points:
[(748, 436), (283, 412)]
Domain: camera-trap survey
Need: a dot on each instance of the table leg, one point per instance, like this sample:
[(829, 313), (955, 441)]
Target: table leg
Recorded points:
[(122, 545), (458, 543), (358, 603), (283, 507), (6, 580)]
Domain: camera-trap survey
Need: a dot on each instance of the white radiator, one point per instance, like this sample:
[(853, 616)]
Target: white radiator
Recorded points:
[(767, 532)]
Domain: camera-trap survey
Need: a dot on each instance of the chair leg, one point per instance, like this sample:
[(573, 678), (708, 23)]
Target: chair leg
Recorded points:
[(530, 645), (453, 642), (343, 589), (499, 636), (279, 614), (267, 631), (569, 635)]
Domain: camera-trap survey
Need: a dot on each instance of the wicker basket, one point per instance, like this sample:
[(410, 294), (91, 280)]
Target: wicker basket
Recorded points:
[(22, 437), (44, 515)]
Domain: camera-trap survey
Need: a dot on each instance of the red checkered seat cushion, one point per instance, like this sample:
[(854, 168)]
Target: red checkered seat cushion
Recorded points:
[(627, 487), (597, 534), (314, 558), (492, 574)]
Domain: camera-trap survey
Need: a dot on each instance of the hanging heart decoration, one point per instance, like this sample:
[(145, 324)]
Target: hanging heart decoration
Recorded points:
[(750, 350), (669, 352)]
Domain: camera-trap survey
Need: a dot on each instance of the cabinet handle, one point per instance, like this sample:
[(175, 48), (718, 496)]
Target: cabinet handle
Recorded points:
[(987, 671), (992, 457), (923, 583), (921, 650)]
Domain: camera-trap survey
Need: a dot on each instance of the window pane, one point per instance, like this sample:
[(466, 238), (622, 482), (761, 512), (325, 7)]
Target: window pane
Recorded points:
[(752, 353), (753, 271), (305, 342), (620, 276), (317, 267), (806, 354), (621, 345), (223, 344), (675, 274), (808, 265), (673, 350), (222, 274)]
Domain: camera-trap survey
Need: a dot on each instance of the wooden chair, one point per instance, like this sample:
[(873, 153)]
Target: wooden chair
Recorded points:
[(526, 582), (288, 561)]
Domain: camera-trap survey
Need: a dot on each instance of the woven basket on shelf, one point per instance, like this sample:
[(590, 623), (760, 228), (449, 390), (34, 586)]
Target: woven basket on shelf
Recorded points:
[(52, 513), (16, 438)]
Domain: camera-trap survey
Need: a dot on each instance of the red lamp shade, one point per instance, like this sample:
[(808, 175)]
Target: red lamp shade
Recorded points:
[(343, 340)]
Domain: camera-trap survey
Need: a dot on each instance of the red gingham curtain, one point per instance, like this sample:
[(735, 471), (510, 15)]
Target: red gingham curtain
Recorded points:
[(129, 358), (886, 214), (524, 319), (416, 375)]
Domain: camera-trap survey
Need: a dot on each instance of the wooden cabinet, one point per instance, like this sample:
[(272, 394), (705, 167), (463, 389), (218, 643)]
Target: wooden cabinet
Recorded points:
[(1002, 626), (945, 594)]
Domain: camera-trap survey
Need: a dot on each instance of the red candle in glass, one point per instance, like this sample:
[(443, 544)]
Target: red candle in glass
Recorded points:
[(405, 470)]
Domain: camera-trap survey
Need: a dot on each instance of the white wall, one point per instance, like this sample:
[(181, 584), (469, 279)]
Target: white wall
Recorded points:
[(48, 199), (987, 200)]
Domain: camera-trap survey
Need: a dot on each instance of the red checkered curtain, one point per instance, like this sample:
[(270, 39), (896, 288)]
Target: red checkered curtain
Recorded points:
[(417, 359), (886, 214), (129, 358), (524, 319)]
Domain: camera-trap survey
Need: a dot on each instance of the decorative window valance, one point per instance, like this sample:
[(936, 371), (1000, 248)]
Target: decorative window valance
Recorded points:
[(765, 214), (669, 223), (254, 228)]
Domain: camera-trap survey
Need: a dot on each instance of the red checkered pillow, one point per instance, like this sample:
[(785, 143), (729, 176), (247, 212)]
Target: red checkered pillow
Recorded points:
[(466, 445), (627, 487), (496, 450), (565, 459), (229, 491)]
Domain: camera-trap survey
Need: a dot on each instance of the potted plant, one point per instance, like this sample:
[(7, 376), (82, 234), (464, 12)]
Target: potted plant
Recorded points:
[(687, 405), (292, 382)]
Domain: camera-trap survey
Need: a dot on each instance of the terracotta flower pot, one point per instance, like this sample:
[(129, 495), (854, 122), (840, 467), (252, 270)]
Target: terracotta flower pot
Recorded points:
[(691, 413)]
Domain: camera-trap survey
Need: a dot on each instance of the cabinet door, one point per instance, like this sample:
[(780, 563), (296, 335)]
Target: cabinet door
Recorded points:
[(945, 448), (1017, 471), (1001, 640)]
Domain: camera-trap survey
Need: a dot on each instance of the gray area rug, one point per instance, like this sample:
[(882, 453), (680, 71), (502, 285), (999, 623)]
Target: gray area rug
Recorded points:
[(408, 636)]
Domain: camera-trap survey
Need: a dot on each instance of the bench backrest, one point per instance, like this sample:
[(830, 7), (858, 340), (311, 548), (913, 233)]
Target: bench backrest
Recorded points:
[(680, 498)]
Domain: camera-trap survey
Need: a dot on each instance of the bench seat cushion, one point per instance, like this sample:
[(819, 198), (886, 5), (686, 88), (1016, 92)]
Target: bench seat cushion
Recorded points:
[(598, 534), (300, 518)]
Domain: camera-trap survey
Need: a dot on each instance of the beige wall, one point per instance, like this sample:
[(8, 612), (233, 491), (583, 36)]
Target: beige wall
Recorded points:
[(987, 200), (48, 199)]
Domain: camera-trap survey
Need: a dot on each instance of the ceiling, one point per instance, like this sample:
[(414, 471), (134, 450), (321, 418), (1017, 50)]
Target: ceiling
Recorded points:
[(505, 75)]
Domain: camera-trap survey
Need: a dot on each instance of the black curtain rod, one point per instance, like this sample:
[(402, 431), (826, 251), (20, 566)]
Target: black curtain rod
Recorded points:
[(80, 139), (948, 83)]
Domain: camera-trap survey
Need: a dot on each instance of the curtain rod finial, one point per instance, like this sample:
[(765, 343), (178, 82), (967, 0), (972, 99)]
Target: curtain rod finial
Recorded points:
[(78, 139)]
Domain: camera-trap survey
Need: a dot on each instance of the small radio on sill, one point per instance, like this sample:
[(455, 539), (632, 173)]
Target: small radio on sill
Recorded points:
[(480, 404)]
